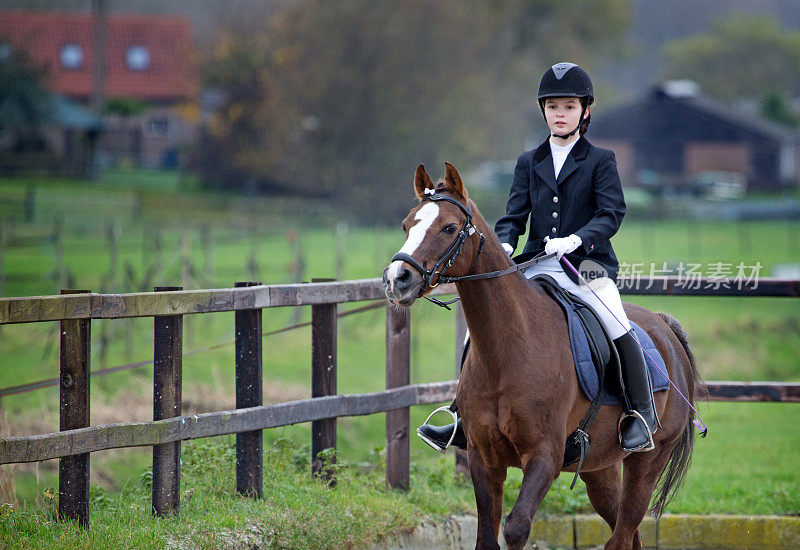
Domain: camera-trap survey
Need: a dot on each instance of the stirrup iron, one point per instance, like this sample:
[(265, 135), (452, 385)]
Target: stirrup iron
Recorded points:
[(636, 414), (452, 435)]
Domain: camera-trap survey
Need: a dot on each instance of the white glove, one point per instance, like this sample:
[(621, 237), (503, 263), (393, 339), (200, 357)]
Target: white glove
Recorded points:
[(508, 248), (562, 245)]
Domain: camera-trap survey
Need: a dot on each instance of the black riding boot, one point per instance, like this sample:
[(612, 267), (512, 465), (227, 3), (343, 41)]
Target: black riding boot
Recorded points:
[(438, 436), (634, 435)]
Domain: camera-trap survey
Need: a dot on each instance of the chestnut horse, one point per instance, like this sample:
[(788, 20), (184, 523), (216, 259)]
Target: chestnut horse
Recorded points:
[(518, 394)]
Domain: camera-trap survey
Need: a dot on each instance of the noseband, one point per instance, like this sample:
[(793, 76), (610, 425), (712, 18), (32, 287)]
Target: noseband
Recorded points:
[(449, 256)]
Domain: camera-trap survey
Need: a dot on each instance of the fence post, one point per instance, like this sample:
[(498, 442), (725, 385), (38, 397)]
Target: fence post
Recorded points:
[(398, 368), (60, 274), (249, 393), (462, 469), (5, 230), (323, 380), (167, 366), (30, 202), (73, 471)]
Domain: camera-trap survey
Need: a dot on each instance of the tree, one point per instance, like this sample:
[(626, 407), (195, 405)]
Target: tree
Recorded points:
[(744, 56), (25, 105), (775, 106), (343, 99)]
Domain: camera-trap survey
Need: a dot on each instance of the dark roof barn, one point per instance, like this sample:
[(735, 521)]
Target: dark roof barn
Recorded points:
[(674, 130)]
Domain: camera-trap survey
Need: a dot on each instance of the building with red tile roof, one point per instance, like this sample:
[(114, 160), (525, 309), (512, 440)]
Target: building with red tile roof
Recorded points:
[(148, 57)]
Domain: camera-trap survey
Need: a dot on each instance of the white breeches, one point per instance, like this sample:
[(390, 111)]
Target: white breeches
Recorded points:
[(603, 286)]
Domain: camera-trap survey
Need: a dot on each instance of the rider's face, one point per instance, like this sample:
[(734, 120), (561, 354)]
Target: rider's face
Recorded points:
[(562, 114)]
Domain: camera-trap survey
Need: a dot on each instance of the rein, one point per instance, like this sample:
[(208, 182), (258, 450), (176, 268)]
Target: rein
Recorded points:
[(449, 256)]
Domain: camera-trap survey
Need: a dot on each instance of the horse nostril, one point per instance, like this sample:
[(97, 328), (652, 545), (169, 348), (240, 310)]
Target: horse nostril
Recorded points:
[(404, 276)]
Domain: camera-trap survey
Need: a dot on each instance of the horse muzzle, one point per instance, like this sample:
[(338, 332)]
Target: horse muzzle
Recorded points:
[(401, 285)]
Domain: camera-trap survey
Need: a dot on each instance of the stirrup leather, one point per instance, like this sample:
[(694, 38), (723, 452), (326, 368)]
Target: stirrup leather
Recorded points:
[(452, 436), (633, 413)]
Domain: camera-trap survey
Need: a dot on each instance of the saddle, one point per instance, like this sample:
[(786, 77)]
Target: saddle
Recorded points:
[(586, 330), (597, 363)]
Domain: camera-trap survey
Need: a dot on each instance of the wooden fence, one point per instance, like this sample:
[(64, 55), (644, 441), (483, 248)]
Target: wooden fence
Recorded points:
[(76, 439)]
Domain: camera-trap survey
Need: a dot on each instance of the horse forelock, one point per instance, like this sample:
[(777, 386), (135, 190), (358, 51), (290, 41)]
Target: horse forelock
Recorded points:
[(441, 187)]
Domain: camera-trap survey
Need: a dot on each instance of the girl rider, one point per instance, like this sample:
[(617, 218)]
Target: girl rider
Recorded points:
[(571, 193)]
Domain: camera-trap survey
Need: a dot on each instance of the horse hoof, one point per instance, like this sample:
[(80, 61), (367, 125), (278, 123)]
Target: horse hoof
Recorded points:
[(516, 533)]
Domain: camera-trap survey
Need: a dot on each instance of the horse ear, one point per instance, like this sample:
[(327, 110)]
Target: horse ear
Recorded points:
[(453, 181), (422, 181)]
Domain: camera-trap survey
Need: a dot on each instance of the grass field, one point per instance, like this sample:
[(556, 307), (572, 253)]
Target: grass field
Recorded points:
[(300, 512), (748, 464)]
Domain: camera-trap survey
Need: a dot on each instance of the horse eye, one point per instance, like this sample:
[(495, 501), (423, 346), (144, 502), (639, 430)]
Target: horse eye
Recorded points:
[(403, 227), (449, 229)]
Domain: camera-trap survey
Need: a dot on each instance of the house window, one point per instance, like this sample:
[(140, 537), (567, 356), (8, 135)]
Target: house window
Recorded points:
[(71, 56), (158, 126), (138, 58)]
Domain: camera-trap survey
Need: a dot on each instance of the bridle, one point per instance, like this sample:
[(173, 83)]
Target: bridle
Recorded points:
[(453, 251), (449, 256)]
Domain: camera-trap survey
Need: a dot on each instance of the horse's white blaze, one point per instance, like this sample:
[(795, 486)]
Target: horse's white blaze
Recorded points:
[(425, 216)]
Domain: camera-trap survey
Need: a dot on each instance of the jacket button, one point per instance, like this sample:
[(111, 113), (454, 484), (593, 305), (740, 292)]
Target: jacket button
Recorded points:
[(555, 214), (553, 229), (555, 199)]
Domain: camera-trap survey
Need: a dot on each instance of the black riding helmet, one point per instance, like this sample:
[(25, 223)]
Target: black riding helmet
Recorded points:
[(566, 80)]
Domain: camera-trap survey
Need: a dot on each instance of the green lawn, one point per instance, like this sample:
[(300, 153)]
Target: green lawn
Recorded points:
[(746, 465), (733, 472), (296, 512)]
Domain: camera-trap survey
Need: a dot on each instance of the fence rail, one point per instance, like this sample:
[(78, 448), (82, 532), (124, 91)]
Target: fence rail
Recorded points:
[(76, 440), (150, 304), (180, 428)]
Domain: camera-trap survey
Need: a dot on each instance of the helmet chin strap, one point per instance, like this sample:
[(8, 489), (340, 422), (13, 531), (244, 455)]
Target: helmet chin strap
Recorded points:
[(565, 136)]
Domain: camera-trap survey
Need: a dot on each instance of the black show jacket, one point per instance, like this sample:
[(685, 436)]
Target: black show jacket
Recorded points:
[(586, 200)]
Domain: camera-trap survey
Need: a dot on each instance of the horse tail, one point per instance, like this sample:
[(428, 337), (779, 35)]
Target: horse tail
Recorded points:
[(672, 478)]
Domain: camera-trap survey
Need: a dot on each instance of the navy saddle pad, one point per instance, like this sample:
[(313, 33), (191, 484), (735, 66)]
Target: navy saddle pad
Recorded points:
[(579, 342), (587, 374)]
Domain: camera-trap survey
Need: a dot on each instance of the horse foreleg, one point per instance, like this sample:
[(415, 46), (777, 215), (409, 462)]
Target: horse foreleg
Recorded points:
[(639, 476), (488, 486), (604, 488), (538, 474)]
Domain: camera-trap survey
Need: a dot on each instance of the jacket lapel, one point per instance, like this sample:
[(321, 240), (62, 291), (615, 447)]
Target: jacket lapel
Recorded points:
[(569, 167), (543, 165)]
